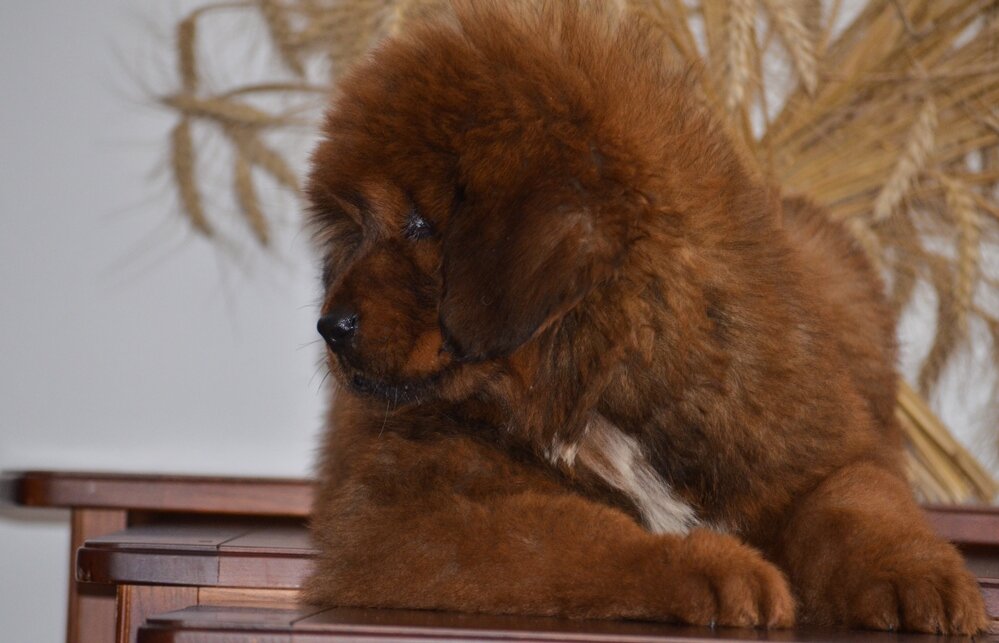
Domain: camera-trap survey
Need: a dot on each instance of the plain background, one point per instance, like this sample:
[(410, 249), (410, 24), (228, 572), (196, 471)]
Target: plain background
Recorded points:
[(127, 343)]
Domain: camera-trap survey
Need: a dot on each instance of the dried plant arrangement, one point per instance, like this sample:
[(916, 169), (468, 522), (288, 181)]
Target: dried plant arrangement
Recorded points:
[(887, 117)]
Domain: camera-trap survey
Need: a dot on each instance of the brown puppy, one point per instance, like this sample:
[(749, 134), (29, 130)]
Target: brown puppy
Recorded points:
[(590, 365)]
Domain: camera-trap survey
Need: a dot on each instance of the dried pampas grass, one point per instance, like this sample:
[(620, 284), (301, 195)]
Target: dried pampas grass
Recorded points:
[(887, 118)]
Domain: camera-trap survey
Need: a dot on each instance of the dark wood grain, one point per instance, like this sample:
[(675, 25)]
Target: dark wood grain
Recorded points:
[(966, 525), (267, 556), (135, 603), (293, 497), (254, 557), (275, 557), (162, 493), (990, 591), (91, 608), (982, 561), (138, 602), (224, 625), (214, 625), (224, 555)]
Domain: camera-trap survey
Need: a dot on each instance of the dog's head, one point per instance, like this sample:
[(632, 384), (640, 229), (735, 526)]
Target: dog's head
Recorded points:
[(478, 185)]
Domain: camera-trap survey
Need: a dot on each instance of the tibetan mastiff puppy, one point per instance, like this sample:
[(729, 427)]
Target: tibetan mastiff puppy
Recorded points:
[(589, 364)]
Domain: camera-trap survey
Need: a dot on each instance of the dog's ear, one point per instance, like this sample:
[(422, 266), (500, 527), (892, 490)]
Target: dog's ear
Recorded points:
[(513, 265)]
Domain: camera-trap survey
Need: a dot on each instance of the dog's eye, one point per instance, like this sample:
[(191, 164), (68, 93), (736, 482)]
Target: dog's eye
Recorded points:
[(417, 227)]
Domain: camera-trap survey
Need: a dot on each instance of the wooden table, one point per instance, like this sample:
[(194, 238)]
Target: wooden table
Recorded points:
[(163, 567), (102, 503), (149, 547)]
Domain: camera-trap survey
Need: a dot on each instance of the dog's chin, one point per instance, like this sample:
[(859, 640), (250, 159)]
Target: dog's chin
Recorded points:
[(394, 391)]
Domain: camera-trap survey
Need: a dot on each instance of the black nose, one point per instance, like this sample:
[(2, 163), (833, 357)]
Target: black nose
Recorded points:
[(337, 327)]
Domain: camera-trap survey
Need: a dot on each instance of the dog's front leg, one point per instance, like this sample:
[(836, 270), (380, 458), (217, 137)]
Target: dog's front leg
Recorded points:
[(533, 552), (860, 553)]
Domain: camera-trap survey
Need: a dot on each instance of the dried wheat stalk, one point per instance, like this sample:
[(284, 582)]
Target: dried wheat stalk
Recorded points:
[(797, 39), (246, 196), (961, 205), (276, 17), (741, 35), (250, 148), (187, 64), (182, 163), (909, 164)]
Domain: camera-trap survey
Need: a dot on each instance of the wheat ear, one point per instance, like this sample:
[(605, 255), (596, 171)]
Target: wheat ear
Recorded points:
[(799, 42), (910, 163), (182, 163), (740, 33), (275, 16), (249, 204)]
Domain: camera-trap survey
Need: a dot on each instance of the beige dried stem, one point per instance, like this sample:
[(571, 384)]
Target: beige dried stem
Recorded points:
[(910, 163), (182, 163), (799, 42), (958, 281), (740, 39), (284, 38), (246, 196), (879, 129), (187, 64)]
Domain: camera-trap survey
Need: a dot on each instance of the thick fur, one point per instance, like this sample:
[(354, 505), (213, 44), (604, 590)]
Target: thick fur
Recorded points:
[(621, 378)]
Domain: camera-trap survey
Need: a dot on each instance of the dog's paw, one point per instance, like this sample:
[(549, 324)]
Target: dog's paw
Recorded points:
[(718, 580), (935, 594)]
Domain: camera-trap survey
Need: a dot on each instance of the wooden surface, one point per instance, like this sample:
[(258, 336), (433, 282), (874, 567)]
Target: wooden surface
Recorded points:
[(990, 592), (91, 608), (160, 493), (102, 503), (136, 602), (249, 555), (254, 555), (232, 561), (223, 625), (289, 497), (969, 526)]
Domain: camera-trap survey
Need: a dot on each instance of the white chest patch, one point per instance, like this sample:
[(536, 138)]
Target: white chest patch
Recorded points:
[(618, 459)]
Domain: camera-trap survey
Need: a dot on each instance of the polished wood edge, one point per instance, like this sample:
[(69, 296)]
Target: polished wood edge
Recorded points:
[(290, 497), (90, 608), (158, 634), (29, 487), (965, 525), (976, 509), (208, 568), (146, 567), (86, 476), (209, 624)]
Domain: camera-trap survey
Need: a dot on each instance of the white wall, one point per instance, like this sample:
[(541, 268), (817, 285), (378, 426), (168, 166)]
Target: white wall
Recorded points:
[(125, 343)]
